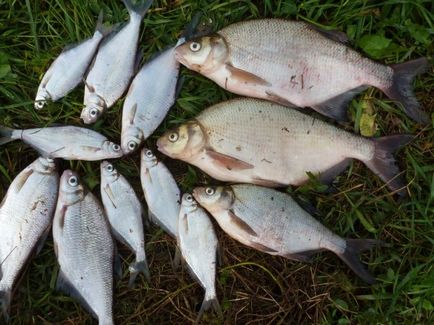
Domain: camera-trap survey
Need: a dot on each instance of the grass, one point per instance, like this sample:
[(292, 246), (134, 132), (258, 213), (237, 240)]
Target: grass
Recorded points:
[(254, 288)]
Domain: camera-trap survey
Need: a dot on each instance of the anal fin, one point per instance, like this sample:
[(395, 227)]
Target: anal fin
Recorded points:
[(263, 248), (330, 174), (305, 256)]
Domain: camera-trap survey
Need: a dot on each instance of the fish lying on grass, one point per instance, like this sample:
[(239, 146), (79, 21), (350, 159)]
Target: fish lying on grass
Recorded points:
[(84, 248), (272, 222), (124, 213), (198, 244), (152, 93), (253, 141), (295, 63), (67, 71), (66, 142), (26, 214), (161, 193), (114, 65)]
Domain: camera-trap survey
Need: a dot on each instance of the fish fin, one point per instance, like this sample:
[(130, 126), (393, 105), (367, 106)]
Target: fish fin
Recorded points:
[(305, 256), (5, 303), (190, 29), (277, 99), (334, 35), (336, 107), (263, 248), (383, 164), (64, 285), (177, 258), (402, 91), (42, 240), (138, 60), (132, 113), (136, 268), (154, 219), (22, 179), (307, 206), (110, 195), (228, 162), (328, 176), (179, 84), (6, 135), (104, 30), (139, 9), (351, 258), (241, 224), (245, 77), (89, 87), (210, 301), (266, 183), (117, 263)]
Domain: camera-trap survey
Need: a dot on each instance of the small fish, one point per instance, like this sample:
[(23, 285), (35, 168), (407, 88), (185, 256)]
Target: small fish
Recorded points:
[(67, 71), (66, 142), (247, 140), (84, 248), (272, 222), (26, 214), (124, 213), (296, 64), (114, 65), (198, 244), (152, 93), (161, 193)]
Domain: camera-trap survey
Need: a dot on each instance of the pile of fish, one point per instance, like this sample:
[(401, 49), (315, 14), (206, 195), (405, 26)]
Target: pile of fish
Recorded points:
[(256, 144)]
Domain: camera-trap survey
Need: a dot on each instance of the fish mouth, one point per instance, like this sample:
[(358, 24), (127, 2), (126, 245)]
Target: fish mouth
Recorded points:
[(161, 148), (179, 55)]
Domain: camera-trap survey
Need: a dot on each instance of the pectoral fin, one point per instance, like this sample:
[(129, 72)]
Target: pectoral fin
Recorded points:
[(110, 195), (23, 179), (241, 224), (228, 162), (245, 77)]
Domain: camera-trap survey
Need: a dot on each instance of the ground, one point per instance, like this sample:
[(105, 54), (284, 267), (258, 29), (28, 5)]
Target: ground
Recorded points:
[(253, 288)]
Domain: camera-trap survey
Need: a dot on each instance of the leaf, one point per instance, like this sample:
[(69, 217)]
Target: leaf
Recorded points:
[(375, 45), (4, 70), (367, 125), (419, 33), (365, 221), (341, 304)]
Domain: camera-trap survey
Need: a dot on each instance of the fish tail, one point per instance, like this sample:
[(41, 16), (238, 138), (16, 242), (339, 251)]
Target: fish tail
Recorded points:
[(7, 135), (210, 301), (136, 268), (5, 303), (190, 29), (383, 164), (351, 256), (402, 91), (137, 9), (103, 30)]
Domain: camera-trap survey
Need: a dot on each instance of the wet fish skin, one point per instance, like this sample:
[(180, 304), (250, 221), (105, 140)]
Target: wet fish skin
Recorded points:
[(124, 212), (26, 214), (162, 194), (114, 64), (84, 248), (272, 222), (68, 69), (247, 140), (66, 142), (198, 244), (297, 64)]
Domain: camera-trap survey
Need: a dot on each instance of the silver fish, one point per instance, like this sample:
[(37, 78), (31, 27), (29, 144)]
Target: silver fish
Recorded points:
[(272, 222), (26, 214), (198, 244), (66, 142), (252, 141), (295, 63), (114, 64), (161, 192), (67, 71), (124, 213), (84, 248)]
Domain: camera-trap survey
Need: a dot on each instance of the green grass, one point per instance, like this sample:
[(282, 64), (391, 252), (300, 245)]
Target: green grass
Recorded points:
[(253, 288)]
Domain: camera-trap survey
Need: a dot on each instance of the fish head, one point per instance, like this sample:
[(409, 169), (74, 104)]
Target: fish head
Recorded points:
[(71, 189), (95, 106), (188, 203), (113, 150), (108, 172), (214, 198), (148, 158), (184, 142), (41, 98), (204, 55), (131, 140), (44, 165)]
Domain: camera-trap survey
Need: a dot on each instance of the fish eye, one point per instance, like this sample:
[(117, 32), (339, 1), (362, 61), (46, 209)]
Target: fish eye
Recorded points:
[(116, 147), (209, 191), (132, 145), (40, 104), (149, 154), (110, 167), (195, 46), (93, 112), (189, 198), (73, 181), (173, 137)]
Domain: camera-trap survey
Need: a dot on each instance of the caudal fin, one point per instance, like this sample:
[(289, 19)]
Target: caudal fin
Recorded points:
[(135, 269), (6, 135), (139, 9), (100, 27), (383, 164), (402, 90), (208, 302), (5, 303), (351, 256)]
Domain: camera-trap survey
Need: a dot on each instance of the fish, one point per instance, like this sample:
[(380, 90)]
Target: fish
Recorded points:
[(248, 140), (26, 214), (124, 212), (84, 248), (272, 222), (66, 142), (68, 69), (114, 65), (152, 93), (162, 194), (198, 245), (295, 63)]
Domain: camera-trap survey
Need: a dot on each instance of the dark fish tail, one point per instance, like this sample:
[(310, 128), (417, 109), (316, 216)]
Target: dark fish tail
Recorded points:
[(104, 30), (402, 91), (383, 164), (351, 256), (136, 268), (210, 301), (5, 303), (190, 29), (139, 9), (6, 135)]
